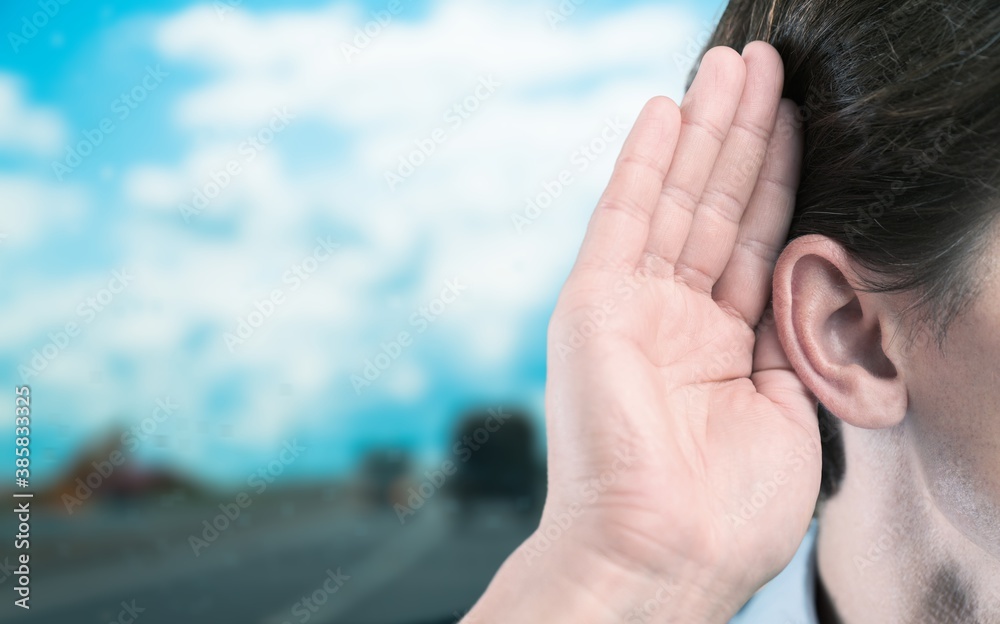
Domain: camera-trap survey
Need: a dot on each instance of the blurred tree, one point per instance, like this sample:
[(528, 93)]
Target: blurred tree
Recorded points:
[(496, 457)]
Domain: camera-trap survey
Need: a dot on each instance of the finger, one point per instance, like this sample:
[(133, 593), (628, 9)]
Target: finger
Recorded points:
[(774, 377), (620, 224), (717, 219), (707, 111), (745, 285)]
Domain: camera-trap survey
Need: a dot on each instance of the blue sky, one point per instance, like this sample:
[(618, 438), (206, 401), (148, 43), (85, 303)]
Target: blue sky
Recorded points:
[(223, 144)]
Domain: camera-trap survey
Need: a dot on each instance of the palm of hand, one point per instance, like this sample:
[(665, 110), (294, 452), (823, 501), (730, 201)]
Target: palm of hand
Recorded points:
[(681, 431)]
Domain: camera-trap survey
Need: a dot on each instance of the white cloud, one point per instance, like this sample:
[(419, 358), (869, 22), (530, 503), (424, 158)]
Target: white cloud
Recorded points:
[(451, 217), (30, 206), (24, 127), (410, 68)]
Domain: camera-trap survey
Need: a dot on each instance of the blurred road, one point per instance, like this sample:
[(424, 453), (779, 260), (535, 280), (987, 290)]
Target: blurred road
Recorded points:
[(320, 565)]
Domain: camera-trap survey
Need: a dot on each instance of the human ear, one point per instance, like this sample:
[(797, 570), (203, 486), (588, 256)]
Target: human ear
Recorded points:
[(836, 335)]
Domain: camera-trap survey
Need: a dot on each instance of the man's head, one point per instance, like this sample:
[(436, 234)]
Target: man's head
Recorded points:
[(886, 297)]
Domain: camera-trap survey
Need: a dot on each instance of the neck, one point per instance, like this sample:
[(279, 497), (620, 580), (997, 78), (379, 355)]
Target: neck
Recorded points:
[(887, 553)]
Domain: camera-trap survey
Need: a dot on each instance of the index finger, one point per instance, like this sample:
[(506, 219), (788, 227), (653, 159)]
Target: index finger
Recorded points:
[(619, 227)]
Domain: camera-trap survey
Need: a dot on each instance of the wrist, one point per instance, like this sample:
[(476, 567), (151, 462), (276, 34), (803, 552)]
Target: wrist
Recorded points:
[(571, 582)]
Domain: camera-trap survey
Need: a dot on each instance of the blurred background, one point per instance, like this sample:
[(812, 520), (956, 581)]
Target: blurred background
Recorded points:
[(278, 277)]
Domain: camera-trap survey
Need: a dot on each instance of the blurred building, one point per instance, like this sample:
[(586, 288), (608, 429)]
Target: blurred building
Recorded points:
[(107, 471)]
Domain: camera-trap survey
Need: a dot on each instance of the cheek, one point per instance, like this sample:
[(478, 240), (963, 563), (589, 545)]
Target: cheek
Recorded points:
[(954, 423)]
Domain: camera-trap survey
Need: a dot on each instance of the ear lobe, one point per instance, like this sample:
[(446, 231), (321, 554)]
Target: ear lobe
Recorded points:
[(833, 334)]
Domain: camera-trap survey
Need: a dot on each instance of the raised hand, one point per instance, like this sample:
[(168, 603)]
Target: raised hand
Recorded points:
[(683, 450)]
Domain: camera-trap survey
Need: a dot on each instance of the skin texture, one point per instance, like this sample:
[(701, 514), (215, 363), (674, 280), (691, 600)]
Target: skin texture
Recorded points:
[(684, 452), (914, 534)]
